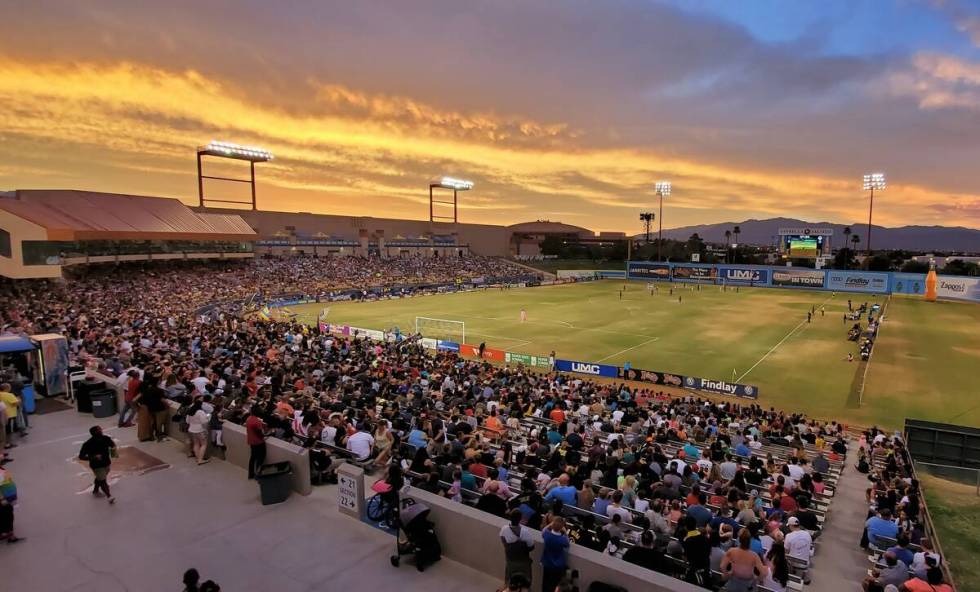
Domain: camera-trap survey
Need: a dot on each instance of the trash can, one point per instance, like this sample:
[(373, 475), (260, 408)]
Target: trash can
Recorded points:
[(275, 482), (83, 394), (103, 402), (30, 405)]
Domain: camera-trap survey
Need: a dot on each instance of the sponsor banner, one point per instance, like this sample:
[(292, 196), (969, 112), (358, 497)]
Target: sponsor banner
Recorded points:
[(472, 351), (527, 360), (909, 283), (577, 273), (857, 281), (645, 270), (695, 274), (447, 345), (745, 391), (587, 368), (429, 343), (960, 288), (743, 275), (652, 377), (799, 278), (806, 231), (512, 358)]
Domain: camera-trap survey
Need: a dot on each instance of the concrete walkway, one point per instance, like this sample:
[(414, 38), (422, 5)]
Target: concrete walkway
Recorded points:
[(167, 520), (840, 564)]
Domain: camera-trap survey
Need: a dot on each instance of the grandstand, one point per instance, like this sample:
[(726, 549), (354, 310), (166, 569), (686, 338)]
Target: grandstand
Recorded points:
[(667, 394)]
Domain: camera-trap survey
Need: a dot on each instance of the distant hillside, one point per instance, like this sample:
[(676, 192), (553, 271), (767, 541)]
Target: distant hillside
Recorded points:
[(919, 238)]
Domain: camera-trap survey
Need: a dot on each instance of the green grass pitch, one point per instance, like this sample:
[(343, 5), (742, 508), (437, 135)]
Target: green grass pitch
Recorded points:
[(924, 365)]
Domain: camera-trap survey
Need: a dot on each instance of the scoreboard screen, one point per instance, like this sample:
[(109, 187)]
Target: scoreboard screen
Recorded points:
[(804, 247)]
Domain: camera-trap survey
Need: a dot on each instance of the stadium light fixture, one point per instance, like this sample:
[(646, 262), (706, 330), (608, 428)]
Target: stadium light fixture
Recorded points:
[(454, 184), (872, 181), (663, 190), (230, 150)]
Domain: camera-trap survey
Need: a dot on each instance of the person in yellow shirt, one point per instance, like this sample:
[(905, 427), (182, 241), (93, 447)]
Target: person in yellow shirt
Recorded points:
[(12, 404)]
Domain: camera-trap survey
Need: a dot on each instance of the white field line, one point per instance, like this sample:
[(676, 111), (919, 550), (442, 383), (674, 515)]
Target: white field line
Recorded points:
[(773, 348), (651, 340), (518, 342)]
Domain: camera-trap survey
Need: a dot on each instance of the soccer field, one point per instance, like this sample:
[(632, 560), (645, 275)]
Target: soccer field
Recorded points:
[(757, 336)]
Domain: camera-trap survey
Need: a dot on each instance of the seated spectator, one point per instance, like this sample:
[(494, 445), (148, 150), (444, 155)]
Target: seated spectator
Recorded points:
[(894, 573), (646, 553), (881, 526), (933, 582)]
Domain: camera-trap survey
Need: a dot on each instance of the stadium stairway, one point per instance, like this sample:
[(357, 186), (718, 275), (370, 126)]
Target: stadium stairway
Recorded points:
[(547, 275), (840, 564)]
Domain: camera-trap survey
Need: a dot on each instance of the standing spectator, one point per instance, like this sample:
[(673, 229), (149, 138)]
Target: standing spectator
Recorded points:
[(128, 411), (7, 522), (554, 557), (798, 542), (255, 436), (697, 550), (742, 566), (518, 544), (98, 451), (151, 398), (197, 430)]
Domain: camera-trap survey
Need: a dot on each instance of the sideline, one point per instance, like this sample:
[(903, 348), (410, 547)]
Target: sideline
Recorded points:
[(781, 341)]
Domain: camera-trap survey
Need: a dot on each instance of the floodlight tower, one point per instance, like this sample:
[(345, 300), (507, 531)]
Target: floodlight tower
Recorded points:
[(456, 185), (663, 190), (218, 149), (647, 218), (872, 181)]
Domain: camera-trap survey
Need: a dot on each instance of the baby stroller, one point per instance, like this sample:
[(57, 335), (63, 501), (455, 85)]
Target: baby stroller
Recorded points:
[(420, 537)]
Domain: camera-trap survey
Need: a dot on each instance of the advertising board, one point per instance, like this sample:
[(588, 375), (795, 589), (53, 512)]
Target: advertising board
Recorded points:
[(527, 360), (743, 275), (651, 271), (857, 281), (909, 283), (447, 345), (472, 351), (744, 391), (960, 288), (587, 368), (797, 278), (695, 274), (651, 376)]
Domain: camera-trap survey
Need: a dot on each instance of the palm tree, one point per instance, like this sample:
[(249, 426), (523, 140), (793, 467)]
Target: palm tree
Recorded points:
[(855, 239), (728, 242), (847, 237), (736, 231)]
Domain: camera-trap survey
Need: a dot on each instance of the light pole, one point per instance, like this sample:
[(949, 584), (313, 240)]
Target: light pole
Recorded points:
[(872, 181), (252, 154), (456, 185), (663, 190)]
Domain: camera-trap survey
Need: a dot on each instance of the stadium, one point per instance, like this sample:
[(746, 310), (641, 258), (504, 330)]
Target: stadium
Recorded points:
[(221, 382)]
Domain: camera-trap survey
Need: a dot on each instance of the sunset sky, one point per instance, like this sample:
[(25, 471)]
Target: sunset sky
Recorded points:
[(564, 110)]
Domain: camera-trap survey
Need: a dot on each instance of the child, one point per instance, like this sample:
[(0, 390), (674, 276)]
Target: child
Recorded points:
[(214, 426)]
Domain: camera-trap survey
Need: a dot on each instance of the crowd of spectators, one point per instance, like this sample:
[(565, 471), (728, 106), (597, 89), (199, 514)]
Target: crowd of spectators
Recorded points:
[(901, 554), (716, 493)]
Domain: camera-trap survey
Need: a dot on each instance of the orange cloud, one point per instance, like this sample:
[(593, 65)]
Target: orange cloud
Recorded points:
[(123, 126)]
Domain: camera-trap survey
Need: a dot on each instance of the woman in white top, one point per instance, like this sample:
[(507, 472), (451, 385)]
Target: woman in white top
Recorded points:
[(197, 429)]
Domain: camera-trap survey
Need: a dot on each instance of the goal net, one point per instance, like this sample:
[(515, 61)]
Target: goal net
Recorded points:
[(444, 329)]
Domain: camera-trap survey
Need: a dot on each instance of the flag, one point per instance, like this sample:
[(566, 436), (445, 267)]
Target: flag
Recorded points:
[(264, 313)]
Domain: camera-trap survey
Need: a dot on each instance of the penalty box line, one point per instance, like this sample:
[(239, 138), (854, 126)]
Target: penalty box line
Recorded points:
[(781, 341), (651, 340)]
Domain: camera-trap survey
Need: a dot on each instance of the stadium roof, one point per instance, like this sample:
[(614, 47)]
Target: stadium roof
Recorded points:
[(547, 226), (70, 215)]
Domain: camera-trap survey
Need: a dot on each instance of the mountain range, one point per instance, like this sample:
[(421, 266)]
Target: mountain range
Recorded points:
[(913, 238)]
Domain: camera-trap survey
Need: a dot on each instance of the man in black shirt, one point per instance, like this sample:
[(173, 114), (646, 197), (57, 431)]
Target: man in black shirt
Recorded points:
[(98, 451), (644, 554)]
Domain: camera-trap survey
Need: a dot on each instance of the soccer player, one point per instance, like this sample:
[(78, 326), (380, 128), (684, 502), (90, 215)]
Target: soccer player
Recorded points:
[(523, 315)]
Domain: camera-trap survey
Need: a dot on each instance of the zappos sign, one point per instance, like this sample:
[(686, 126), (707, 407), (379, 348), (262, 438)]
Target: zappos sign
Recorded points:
[(744, 275), (587, 368)]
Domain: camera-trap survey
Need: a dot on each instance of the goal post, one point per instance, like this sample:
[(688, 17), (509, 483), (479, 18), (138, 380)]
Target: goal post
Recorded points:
[(444, 329)]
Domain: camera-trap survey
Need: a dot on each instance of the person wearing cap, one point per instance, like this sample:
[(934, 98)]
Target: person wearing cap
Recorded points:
[(798, 542)]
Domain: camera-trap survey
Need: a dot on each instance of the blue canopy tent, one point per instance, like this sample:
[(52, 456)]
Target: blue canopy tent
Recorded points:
[(14, 344)]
